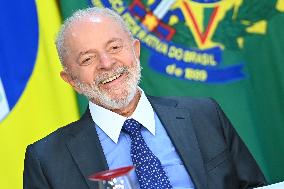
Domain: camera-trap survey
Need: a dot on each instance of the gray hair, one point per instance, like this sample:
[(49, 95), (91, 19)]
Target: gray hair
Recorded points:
[(62, 50)]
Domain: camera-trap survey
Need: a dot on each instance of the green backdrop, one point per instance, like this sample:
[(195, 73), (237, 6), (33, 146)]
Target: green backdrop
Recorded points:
[(253, 102)]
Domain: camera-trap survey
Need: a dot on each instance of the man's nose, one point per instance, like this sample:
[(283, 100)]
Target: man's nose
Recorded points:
[(106, 61)]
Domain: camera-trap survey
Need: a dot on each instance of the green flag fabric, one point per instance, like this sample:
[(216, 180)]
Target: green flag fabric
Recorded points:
[(230, 50)]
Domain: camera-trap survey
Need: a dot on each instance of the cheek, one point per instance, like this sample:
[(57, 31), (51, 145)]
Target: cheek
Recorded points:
[(127, 59), (84, 74)]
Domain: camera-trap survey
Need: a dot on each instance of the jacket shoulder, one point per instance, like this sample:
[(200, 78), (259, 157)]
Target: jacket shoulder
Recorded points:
[(56, 140), (194, 103), (53, 142)]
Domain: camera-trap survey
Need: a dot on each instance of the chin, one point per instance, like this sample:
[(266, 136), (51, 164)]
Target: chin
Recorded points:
[(118, 101), (115, 104)]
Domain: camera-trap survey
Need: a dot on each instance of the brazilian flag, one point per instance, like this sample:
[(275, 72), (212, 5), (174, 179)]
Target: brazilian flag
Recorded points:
[(33, 99), (231, 50)]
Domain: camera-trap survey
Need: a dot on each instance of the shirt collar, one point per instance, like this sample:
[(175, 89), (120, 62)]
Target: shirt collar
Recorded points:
[(111, 122)]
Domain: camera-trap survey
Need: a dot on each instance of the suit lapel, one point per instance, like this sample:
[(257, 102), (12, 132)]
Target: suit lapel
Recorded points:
[(179, 127), (86, 149)]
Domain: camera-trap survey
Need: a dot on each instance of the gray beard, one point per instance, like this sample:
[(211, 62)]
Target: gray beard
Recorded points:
[(94, 94)]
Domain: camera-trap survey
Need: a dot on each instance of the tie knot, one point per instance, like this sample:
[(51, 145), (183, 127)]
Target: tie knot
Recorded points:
[(131, 126)]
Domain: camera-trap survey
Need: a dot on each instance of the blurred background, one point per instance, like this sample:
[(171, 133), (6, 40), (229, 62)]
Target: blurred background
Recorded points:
[(230, 50)]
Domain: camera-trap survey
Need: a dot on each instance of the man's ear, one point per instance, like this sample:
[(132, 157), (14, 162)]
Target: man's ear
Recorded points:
[(68, 79), (136, 47)]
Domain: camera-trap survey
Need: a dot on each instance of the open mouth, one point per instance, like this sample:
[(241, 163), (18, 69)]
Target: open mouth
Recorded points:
[(108, 80)]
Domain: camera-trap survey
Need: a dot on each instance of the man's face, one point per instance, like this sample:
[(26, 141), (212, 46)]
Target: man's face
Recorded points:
[(102, 61)]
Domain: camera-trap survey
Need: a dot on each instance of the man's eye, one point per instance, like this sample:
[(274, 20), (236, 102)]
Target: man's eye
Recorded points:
[(115, 48), (87, 61)]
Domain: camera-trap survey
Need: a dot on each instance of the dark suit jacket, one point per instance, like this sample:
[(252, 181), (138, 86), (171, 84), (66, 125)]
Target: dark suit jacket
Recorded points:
[(211, 150)]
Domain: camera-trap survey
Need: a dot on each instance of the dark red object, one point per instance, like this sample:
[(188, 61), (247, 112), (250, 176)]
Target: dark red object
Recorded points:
[(110, 174)]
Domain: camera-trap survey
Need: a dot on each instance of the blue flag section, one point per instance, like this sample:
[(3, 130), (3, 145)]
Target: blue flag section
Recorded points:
[(19, 46)]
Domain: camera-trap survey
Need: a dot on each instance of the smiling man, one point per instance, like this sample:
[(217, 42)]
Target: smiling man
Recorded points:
[(101, 62), (173, 142)]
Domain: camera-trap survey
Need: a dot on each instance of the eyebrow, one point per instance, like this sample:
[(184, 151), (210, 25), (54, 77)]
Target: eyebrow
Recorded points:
[(86, 52), (93, 50), (113, 40)]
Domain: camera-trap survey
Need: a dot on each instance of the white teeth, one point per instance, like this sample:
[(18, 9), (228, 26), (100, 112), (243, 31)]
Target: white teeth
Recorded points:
[(111, 79)]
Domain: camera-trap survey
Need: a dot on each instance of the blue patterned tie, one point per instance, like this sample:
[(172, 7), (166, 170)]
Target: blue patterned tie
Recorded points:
[(148, 167)]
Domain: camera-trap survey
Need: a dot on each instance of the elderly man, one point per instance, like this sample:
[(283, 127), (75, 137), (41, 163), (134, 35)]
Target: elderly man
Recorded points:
[(173, 142)]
